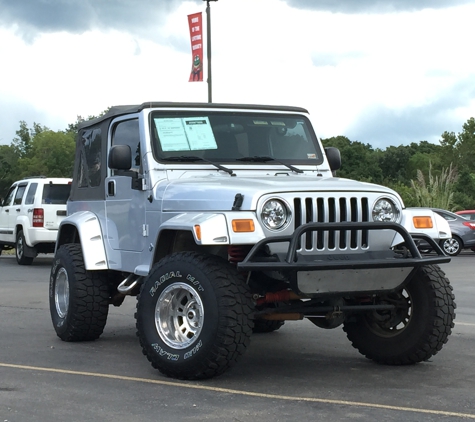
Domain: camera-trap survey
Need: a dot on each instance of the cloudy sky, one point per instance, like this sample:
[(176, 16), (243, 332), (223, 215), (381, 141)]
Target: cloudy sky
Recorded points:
[(383, 72)]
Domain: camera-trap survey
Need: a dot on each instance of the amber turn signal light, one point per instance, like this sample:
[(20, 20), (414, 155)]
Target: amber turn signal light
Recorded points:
[(243, 226), (422, 222), (198, 231)]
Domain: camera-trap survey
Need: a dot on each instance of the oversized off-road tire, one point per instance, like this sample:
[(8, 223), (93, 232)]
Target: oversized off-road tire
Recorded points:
[(413, 332), (194, 316), (78, 299), (452, 246), (20, 250)]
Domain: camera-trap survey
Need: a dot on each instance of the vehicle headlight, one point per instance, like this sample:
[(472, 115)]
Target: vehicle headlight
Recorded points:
[(274, 214), (385, 210)]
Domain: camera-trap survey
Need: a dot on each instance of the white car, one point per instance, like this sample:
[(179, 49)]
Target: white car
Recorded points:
[(420, 221), (30, 215)]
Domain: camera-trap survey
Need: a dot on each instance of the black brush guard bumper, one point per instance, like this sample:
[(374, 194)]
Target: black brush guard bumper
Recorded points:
[(388, 259)]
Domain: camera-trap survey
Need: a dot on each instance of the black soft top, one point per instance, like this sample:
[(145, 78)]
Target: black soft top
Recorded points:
[(129, 109)]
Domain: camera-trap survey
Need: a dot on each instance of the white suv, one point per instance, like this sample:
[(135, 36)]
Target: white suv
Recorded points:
[(30, 215)]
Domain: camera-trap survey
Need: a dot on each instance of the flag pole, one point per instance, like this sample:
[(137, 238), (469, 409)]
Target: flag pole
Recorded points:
[(208, 49)]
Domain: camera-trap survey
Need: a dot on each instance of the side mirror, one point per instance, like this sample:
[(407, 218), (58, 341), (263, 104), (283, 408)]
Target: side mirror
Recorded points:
[(334, 158), (120, 157)]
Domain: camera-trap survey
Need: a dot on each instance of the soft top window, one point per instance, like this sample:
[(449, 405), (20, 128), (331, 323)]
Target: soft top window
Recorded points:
[(90, 158), (226, 136)]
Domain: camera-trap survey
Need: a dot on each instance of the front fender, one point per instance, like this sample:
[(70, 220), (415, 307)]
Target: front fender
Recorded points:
[(89, 234), (216, 228), (207, 229)]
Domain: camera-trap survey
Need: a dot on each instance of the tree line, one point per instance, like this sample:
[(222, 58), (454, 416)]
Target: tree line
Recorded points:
[(424, 174)]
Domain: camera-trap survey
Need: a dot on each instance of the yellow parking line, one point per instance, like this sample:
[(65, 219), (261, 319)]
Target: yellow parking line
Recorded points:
[(465, 323), (241, 392)]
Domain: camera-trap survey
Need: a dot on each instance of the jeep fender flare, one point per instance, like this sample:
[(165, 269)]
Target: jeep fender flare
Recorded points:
[(215, 228), (84, 228)]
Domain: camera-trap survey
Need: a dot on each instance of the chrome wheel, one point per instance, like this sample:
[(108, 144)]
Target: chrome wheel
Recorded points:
[(451, 246), (20, 248), (179, 315), (61, 293)]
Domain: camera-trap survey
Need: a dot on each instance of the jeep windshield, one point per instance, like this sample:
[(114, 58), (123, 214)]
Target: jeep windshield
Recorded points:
[(239, 137)]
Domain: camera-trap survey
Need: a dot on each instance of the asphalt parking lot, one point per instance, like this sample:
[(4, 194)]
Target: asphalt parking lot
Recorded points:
[(295, 374)]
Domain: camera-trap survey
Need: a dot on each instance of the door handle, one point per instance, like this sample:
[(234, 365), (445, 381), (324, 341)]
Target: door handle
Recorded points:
[(111, 188)]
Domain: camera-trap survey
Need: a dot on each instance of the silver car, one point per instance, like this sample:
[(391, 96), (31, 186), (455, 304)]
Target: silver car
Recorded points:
[(224, 220)]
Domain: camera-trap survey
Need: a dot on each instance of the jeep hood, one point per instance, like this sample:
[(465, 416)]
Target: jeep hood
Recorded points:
[(217, 193)]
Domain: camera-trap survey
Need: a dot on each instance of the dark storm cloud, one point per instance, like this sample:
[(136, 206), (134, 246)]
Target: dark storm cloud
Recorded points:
[(77, 16), (372, 6), (381, 127)]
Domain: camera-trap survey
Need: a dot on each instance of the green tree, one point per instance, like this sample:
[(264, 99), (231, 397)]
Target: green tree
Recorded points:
[(460, 149), (464, 195), (8, 165), (394, 163), (51, 154), (22, 142), (358, 160), (465, 146), (405, 192)]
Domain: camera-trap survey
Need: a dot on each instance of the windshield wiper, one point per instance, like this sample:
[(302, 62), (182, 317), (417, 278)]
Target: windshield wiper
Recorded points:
[(193, 158), (263, 159)]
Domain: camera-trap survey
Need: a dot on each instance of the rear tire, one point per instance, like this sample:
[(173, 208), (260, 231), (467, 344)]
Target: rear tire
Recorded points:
[(20, 249), (79, 299), (194, 316), (413, 332)]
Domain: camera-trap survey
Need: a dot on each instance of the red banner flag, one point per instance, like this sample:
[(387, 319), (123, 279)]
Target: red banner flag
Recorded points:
[(196, 35)]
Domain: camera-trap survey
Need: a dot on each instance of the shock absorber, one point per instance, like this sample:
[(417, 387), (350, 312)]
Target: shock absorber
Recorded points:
[(282, 296), (237, 253)]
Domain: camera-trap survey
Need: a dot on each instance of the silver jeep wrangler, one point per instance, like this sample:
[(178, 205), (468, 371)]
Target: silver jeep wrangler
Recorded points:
[(224, 220)]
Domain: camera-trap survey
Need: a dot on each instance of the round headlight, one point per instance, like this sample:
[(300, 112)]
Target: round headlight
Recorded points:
[(385, 210), (274, 214)]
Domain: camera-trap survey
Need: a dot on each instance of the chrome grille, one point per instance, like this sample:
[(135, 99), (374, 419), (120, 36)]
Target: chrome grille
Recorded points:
[(331, 210)]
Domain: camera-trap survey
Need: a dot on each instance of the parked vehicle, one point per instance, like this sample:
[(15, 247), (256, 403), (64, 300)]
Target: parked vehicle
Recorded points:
[(418, 221), (30, 216), (226, 219), (463, 233), (468, 214)]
